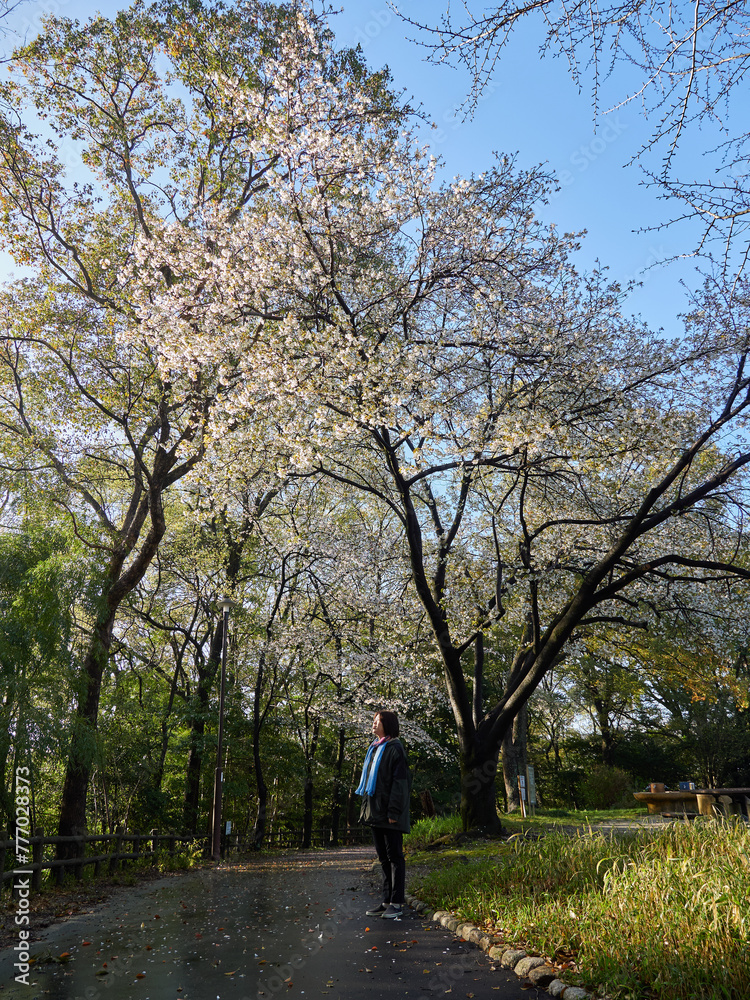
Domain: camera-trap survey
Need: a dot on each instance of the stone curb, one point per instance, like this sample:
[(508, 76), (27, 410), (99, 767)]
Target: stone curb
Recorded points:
[(531, 967)]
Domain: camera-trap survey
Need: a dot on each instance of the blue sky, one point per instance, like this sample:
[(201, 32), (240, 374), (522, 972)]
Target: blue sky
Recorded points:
[(531, 108)]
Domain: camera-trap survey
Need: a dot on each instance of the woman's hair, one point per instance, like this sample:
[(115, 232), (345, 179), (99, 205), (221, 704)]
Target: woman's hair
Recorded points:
[(389, 721)]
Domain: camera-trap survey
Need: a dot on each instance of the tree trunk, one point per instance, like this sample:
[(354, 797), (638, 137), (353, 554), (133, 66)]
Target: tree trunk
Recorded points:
[(191, 804), (165, 734), (259, 830), (605, 728), (117, 584), (352, 799), (83, 736), (478, 792), (307, 822), (206, 677), (478, 740), (7, 805), (338, 790), (478, 785), (515, 758), (307, 816)]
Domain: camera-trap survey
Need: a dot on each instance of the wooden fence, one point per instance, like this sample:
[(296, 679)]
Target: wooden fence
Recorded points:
[(113, 851)]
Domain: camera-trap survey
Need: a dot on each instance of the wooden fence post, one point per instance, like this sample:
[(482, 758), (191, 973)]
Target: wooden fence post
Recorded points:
[(118, 844), (102, 849), (80, 851)]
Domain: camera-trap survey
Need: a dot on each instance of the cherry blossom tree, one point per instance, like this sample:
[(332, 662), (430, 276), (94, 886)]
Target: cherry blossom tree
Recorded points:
[(100, 423), (431, 345), (338, 641), (548, 461)]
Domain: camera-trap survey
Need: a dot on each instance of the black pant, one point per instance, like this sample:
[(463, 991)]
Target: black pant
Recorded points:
[(389, 845)]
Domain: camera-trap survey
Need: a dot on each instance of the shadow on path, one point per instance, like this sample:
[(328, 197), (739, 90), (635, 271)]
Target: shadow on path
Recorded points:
[(284, 925)]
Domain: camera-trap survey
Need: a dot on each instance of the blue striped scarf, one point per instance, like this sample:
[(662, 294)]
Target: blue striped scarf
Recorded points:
[(367, 781)]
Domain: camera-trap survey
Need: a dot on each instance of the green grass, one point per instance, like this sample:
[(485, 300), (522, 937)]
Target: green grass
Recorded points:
[(546, 818), (661, 913), (427, 831)]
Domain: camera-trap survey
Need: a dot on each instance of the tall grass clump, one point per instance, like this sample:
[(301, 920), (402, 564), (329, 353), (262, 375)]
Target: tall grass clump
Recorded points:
[(661, 913), (427, 831)]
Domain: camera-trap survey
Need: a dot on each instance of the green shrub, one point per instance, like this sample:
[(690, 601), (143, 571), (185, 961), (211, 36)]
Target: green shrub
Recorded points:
[(605, 787), (185, 856)]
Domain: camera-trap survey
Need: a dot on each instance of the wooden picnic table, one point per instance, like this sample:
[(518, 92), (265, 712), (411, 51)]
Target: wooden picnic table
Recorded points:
[(726, 800), (659, 802), (706, 801)]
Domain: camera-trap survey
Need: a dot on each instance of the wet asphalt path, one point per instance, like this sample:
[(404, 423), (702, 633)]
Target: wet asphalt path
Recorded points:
[(291, 926)]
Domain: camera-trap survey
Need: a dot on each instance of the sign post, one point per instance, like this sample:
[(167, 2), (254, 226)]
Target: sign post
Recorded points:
[(522, 794), (532, 788)]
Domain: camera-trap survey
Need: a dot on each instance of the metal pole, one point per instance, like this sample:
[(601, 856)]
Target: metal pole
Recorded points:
[(225, 604)]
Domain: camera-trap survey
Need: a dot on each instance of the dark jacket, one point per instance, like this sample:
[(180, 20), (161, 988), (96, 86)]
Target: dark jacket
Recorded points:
[(390, 800)]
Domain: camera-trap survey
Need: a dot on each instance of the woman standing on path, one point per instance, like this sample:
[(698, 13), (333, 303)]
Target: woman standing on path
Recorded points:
[(385, 788)]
